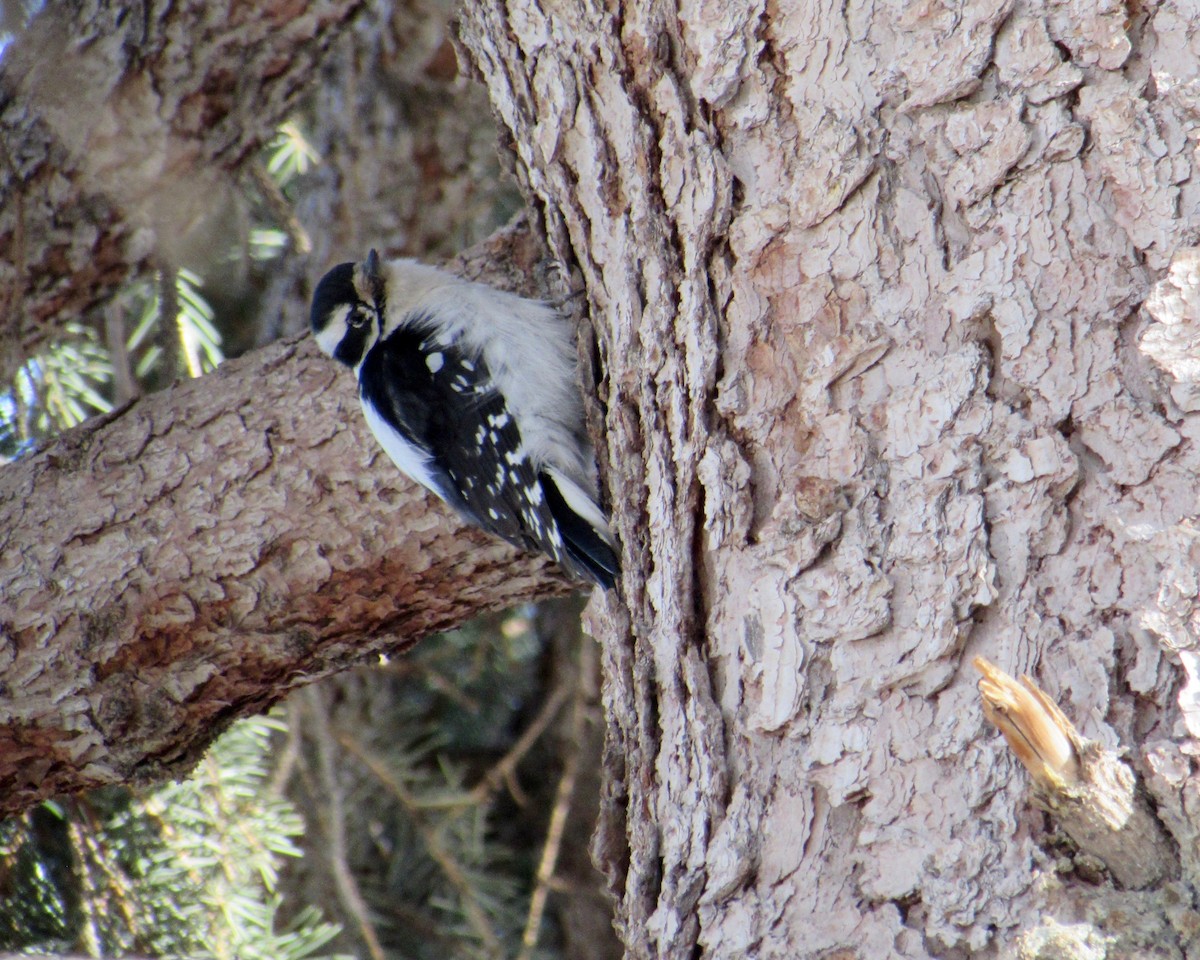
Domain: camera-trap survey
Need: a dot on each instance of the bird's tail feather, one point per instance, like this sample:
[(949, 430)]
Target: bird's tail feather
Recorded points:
[(584, 529)]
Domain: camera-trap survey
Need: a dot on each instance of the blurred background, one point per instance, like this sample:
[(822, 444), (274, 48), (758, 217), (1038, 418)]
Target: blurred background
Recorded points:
[(439, 805)]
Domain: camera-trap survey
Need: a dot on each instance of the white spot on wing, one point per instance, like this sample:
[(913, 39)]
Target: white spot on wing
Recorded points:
[(435, 362)]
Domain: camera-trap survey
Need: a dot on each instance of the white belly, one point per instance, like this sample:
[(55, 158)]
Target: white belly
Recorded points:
[(411, 459)]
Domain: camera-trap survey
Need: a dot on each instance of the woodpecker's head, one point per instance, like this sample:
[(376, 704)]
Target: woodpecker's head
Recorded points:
[(347, 309)]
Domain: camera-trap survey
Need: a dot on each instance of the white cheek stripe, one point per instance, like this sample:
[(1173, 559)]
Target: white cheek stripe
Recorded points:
[(329, 338), (411, 459)]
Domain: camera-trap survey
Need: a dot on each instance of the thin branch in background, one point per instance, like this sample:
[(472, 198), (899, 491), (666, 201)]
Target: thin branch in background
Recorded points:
[(520, 797), (288, 756), (280, 208), (87, 835), (504, 771), (435, 681), (449, 866), (89, 895), (554, 832), (168, 319), (343, 879), (125, 385)]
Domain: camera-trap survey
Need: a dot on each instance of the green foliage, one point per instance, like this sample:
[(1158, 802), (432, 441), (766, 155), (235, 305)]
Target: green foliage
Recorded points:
[(199, 339), (448, 866), (55, 390), (34, 857), (267, 243), (290, 155), (446, 869), (190, 868), (71, 373), (226, 832), (72, 378), (444, 866)]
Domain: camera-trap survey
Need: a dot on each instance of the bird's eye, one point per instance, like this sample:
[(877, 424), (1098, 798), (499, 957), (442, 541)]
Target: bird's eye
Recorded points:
[(358, 319)]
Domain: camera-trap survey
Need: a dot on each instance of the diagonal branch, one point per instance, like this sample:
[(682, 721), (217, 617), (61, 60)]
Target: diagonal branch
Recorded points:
[(191, 557)]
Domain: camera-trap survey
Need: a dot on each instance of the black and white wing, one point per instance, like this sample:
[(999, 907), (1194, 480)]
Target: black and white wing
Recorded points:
[(433, 408)]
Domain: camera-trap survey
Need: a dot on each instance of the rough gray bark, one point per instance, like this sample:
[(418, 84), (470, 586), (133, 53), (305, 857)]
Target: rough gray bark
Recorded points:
[(191, 558), (865, 281)]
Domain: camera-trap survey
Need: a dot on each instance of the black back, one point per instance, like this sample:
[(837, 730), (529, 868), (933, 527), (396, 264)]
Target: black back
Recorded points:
[(458, 421)]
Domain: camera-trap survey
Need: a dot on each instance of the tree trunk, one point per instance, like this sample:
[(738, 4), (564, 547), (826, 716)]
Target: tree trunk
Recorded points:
[(865, 283)]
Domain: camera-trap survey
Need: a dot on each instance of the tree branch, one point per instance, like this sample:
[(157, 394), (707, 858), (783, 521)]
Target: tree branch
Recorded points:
[(191, 557), (1088, 789)]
